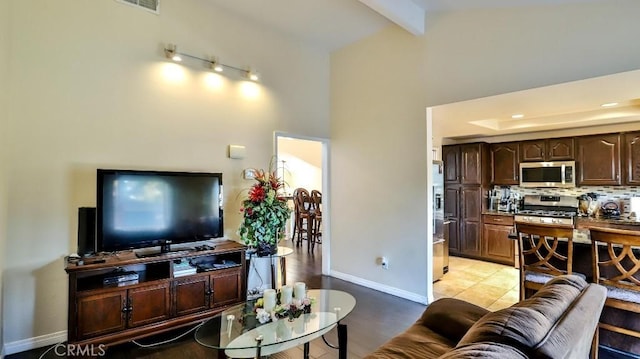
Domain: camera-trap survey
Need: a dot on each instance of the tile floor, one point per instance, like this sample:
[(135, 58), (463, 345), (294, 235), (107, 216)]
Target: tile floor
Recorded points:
[(488, 285)]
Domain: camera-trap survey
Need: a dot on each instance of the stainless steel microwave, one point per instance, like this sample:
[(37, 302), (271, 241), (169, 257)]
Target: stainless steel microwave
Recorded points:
[(548, 174)]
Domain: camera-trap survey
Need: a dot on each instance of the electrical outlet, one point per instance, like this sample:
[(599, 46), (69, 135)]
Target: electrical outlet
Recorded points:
[(384, 263)]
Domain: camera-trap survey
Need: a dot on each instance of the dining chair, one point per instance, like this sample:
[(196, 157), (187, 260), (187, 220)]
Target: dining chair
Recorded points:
[(616, 266), (545, 251), (304, 216), (316, 199)]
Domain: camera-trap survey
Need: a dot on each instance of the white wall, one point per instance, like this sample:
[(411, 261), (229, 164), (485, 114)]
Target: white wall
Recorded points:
[(303, 166), (381, 85), (90, 88), (4, 104)]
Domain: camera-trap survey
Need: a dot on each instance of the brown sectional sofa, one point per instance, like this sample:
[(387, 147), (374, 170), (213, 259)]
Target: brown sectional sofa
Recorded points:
[(557, 322)]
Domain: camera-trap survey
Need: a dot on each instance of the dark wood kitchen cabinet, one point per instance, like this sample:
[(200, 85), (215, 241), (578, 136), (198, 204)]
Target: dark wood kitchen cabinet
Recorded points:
[(552, 149), (598, 160), (470, 220), (466, 164), (451, 159), (495, 239), (466, 169), (505, 163), (632, 158)]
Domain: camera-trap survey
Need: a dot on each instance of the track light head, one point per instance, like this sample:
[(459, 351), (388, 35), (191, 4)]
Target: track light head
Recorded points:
[(253, 75), (216, 65), (171, 52)]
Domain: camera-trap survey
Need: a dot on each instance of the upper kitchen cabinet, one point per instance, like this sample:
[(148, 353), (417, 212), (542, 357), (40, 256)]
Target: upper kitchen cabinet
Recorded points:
[(504, 163), (451, 159), (465, 164), (599, 160), (553, 149), (632, 158), (473, 163)]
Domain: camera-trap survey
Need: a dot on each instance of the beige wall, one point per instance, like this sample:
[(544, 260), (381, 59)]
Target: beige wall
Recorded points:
[(4, 112), (381, 85), (91, 89)]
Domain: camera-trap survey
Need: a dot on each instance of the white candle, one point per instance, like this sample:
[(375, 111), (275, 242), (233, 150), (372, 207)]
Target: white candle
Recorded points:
[(300, 290), (269, 298), (286, 294)]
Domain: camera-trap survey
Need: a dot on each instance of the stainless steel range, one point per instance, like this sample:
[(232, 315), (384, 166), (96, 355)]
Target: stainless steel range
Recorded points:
[(548, 209)]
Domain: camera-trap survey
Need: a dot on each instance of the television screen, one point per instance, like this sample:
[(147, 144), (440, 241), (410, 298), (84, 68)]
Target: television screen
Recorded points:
[(137, 209)]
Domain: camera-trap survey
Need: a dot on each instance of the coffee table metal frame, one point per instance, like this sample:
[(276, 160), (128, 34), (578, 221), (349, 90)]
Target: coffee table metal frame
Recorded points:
[(239, 337)]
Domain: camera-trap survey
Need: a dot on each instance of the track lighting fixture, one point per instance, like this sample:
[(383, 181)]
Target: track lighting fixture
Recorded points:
[(171, 52)]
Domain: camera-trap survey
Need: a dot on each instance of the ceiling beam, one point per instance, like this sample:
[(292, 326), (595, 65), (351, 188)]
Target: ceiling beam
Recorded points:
[(406, 13)]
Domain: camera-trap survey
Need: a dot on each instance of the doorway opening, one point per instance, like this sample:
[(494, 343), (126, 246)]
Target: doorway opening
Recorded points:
[(302, 162)]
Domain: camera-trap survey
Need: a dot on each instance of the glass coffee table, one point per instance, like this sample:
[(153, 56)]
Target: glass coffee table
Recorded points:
[(237, 332)]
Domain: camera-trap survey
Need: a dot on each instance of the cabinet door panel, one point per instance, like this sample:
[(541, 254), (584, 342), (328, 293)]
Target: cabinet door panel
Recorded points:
[(149, 304), (101, 313), (560, 149), (226, 288), (451, 202), (632, 158), (454, 231), (599, 160), (532, 150), (471, 198), (191, 295), (470, 238), (471, 164), (470, 231), (504, 163), (451, 159), (497, 244)]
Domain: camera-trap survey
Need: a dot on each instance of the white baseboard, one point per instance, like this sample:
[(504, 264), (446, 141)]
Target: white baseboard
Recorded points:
[(35, 342), (380, 287)]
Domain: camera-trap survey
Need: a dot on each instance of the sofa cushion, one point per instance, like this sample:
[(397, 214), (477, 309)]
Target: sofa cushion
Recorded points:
[(526, 324), (485, 350), (458, 315), (416, 342)]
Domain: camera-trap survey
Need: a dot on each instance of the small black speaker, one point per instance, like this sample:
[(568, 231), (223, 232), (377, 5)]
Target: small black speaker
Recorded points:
[(86, 231)]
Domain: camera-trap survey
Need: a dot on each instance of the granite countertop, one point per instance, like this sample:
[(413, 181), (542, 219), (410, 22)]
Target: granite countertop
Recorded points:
[(498, 213), (621, 223)]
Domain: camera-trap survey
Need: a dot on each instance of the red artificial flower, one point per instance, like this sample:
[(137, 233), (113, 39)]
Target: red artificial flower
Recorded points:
[(257, 194)]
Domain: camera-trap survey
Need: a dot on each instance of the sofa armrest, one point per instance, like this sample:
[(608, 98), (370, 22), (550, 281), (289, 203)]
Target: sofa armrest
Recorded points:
[(451, 317)]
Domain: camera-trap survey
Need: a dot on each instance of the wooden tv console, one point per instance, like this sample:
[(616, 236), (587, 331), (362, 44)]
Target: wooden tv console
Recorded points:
[(158, 300)]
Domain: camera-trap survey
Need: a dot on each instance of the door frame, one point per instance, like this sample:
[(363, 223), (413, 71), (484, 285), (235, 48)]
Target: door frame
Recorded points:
[(326, 197)]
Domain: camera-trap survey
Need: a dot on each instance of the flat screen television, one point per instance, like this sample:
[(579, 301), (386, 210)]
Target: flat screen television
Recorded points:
[(138, 209)]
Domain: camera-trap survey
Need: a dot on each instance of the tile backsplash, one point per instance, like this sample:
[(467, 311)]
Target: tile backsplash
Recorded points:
[(618, 194)]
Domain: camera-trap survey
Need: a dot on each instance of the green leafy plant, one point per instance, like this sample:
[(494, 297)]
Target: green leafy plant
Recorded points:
[(265, 212)]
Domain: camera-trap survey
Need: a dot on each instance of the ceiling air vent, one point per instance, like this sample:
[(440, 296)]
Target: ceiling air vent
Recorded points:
[(149, 5)]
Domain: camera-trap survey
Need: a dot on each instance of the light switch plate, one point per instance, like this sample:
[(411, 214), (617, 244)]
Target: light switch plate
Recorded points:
[(249, 174)]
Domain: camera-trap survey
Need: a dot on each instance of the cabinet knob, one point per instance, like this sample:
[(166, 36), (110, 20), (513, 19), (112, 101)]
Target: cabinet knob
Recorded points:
[(208, 292)]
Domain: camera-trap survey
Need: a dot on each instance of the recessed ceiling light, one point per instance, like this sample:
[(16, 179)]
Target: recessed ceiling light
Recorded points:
[(517, 116), (609, 104)]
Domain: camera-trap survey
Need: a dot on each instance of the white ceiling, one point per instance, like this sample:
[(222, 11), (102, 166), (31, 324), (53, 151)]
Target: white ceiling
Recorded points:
[(568, 105)]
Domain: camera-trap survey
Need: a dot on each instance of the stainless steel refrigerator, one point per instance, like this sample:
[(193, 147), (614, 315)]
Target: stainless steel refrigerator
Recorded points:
[(440, 227)]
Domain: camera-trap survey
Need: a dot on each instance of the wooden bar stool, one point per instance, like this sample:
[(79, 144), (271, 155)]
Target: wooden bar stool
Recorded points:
[(543, 254), (616, 266), (303, 216), (316, 198)]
